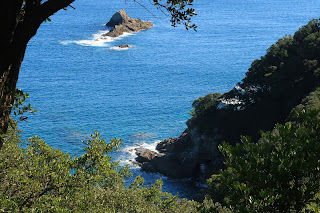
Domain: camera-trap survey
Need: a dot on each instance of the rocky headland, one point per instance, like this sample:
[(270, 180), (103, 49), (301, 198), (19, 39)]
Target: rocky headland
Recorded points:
[(286, 79), (122, 23), (183, 156)]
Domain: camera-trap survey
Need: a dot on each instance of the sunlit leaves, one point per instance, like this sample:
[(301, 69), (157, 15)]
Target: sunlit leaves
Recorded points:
[(39, 178), (19, 107), (181, 11)]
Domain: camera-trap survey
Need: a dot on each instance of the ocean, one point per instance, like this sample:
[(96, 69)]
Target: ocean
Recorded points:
[(143, 94)]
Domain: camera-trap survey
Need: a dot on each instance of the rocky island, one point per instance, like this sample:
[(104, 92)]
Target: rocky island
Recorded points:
[(122, 23)]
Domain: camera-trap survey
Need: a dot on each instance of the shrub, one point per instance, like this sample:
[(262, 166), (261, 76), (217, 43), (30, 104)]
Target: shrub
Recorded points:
[(279, 173), (203, 104), (39, 178)]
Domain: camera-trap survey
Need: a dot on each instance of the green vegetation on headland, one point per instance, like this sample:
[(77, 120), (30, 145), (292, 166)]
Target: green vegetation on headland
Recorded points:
[(281, 171), (276, 171), (286, 78), (273, 86)]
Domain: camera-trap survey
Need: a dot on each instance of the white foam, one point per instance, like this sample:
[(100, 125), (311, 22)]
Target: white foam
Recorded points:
[(151, 147), (129, 153), (66, 42), (97, 40), (130, 150), (92, 43), (109, 38)]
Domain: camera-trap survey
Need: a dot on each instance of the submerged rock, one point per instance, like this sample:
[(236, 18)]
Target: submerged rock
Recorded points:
[(124, 46), (122, 23)]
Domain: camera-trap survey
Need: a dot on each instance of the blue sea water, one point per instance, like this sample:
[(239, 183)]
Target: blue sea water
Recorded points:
[(143, 94)]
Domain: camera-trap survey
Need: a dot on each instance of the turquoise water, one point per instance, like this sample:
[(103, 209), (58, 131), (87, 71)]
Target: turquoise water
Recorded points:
[(143, 94)]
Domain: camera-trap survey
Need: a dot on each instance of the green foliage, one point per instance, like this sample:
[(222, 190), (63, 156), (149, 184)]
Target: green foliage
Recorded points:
[(202, 111), (202, 104), (19, 107), (289, 61), (272, 87), (312, 101), (279, 173), (38, 178), (180, 12), (208, 206)]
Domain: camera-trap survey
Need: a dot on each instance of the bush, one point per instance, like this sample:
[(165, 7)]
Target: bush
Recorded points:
[(38, 178), (279, 173), (203, 104)]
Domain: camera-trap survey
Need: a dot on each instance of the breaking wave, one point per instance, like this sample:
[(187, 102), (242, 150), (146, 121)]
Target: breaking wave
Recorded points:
[(128, 154), (97, 40)]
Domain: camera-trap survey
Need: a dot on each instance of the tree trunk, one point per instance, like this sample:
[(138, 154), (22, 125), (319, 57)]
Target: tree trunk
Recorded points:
[(10, 64), (19, 22)]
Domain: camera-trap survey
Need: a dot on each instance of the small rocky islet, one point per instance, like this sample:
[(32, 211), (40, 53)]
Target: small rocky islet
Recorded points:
[(124, 46), (121, 23)]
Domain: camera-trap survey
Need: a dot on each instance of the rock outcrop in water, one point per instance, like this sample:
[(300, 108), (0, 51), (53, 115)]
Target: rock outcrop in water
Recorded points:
[(122, 23), (181, 157), (124, 46)]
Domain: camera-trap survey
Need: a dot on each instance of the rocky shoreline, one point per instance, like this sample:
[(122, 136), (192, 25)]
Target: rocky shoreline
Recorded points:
[(190, 155), (274, 89)]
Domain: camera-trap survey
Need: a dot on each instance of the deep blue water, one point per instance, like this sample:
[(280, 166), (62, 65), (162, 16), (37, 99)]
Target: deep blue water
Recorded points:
[(143, 94)]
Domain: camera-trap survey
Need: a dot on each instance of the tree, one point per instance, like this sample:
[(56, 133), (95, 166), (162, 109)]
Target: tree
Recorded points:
[(38, 178), (279, 173), (19, 22)]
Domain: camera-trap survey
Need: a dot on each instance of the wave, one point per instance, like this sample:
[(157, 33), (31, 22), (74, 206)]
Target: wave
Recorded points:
[(97, 40), (128, 153), (152, 146), (187, 187)]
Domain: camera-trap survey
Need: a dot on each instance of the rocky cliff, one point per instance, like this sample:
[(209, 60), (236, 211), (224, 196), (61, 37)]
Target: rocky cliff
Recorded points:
[(183, 156), (122, 23), (285, 79)]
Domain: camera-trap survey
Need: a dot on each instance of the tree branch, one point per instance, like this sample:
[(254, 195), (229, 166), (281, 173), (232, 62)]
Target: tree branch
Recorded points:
[(50, 7), (9, 17), (28, 27)]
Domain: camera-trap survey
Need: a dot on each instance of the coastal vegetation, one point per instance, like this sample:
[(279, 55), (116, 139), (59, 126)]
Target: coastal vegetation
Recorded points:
[(35, 178), (273, 86), (285, 79), (276, 167), (278, 170), (278, 173), (274, 170)]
